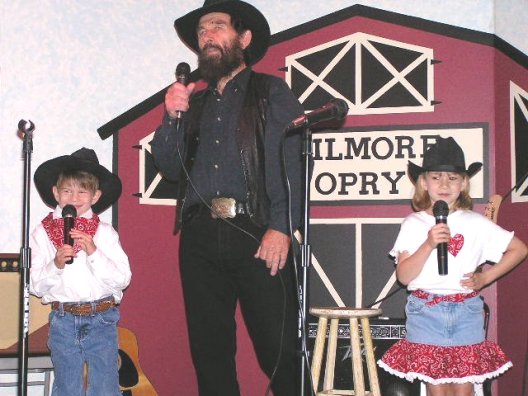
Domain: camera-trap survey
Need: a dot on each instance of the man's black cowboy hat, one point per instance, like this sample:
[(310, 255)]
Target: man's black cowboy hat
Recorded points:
[(48, 172), (445, 155), (253, 19)]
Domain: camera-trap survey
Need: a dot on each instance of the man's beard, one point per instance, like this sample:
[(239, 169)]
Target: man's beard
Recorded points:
[(217, 66)]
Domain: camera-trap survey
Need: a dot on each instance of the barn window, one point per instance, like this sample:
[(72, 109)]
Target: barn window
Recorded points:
[(351, 265), (519, 142), (373, 74), (153, 189)]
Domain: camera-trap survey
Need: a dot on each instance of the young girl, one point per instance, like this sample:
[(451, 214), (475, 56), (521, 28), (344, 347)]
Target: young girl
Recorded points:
[(445, 343)]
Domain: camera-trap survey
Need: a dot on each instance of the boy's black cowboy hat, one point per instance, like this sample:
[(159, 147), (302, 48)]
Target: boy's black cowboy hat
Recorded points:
[(47, 174), (445, 155), (253, 19)]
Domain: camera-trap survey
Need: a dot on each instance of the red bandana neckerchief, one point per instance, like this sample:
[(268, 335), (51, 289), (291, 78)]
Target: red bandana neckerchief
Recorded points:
[(55, 228)]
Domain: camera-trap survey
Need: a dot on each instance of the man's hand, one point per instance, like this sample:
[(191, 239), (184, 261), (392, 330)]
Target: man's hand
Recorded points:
[(273, 249), (177, 98)]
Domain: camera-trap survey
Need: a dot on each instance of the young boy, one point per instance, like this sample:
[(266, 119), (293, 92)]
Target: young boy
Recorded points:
[(84, 294)]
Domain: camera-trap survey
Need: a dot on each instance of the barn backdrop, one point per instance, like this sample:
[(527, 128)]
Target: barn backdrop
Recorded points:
[(406, 81)]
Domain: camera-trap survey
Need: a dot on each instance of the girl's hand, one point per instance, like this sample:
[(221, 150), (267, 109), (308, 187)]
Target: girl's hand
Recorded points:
[(84, 240), (473, 281), (439, 233)]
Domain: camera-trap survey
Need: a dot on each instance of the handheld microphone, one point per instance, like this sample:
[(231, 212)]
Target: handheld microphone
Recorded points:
[(440, 212), (69, 213), (335, 109), (183, 70)]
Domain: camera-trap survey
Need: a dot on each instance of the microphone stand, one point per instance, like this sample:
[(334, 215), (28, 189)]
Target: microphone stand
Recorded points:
[(305, 380), (25, 259)]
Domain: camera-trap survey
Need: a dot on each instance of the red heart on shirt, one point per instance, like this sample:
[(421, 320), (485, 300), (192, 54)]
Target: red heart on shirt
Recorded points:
[(455, 244)]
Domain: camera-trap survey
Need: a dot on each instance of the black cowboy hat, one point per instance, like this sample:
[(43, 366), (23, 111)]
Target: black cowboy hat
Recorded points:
[(47, 174), (445, 155), (252, 18)]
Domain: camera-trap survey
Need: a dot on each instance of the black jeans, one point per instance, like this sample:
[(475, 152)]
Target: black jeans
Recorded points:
[(218, 269)]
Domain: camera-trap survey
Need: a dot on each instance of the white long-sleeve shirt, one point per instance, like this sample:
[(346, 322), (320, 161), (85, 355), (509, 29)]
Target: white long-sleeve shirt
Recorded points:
[(106, 272)]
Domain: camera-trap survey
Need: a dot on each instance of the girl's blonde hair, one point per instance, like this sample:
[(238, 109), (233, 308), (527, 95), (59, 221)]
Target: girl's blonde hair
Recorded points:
[(422, 201), (84, 179)]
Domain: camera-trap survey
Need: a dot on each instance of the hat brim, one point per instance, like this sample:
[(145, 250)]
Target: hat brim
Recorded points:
[(47, 174), (256, 22), (415, 170)]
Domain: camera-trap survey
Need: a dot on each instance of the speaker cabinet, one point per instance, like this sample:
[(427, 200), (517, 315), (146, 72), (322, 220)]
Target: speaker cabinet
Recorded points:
[(10, 306)]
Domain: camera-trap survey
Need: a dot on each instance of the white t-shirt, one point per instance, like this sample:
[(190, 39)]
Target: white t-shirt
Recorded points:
[(106, 272), (474, 240)]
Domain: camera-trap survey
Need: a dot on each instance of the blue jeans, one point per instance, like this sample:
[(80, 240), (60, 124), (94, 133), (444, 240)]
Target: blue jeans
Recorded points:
[(446, 323), (75, 340)]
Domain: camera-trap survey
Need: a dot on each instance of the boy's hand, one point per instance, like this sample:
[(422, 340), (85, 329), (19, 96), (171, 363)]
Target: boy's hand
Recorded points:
[(64, 253), (84, 240)]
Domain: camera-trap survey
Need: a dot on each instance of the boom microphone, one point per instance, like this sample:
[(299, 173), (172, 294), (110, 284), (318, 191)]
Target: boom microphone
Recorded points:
[(335, 109), (440, 212), (183, 70), (69, 213)]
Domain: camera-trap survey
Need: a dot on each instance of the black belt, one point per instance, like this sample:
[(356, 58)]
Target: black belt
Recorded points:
[(223, 208)]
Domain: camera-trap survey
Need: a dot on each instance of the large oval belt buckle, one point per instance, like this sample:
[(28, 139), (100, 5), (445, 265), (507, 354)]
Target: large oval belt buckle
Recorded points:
[(223, 208)]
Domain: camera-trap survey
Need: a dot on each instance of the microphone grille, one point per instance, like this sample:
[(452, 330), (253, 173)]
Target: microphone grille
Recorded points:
[(440, 209), (69, 211), (341, 107), (183, 69)]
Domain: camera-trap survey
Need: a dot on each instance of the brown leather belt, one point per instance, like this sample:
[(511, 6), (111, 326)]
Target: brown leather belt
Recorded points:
[(84, 309)]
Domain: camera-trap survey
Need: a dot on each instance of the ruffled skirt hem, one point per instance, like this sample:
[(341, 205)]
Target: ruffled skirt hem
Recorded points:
[(475, 379), (442, 365)]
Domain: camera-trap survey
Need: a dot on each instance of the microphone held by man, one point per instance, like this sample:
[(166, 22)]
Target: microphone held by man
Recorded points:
[(183, 71), (178, 94)]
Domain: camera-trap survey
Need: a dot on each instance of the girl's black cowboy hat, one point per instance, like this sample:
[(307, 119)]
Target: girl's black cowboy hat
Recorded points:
[(252, 18), (445, 155), (48, 172)]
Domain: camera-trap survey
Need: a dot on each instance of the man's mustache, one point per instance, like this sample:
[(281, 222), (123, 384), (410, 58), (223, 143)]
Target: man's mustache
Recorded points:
[(212, 46)]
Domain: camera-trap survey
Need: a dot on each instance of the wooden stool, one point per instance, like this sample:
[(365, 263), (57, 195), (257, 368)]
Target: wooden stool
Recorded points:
[(354, 315)]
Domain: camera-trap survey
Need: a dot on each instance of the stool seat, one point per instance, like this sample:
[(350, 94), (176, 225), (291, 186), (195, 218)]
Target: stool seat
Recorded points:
[(355, 316), (345, 312)]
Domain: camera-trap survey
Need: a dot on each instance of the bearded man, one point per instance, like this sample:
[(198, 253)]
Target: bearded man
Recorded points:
[(233, 201)]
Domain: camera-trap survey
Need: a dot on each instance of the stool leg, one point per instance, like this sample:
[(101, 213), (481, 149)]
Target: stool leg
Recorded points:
[(331, 355), (318, 351), (357, 366), (370, 358)]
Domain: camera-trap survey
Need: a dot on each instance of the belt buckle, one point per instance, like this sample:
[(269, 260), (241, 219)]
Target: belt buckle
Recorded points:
[(223, 208)]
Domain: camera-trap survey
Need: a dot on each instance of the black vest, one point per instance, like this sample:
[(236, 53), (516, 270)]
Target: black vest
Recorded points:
[(250, 134)]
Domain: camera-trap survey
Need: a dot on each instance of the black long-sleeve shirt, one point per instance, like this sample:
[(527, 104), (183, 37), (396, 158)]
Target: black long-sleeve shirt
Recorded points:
[(217, 169)]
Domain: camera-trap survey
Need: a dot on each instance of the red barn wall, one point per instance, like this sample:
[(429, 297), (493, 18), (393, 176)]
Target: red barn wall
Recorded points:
[(512, 304)]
